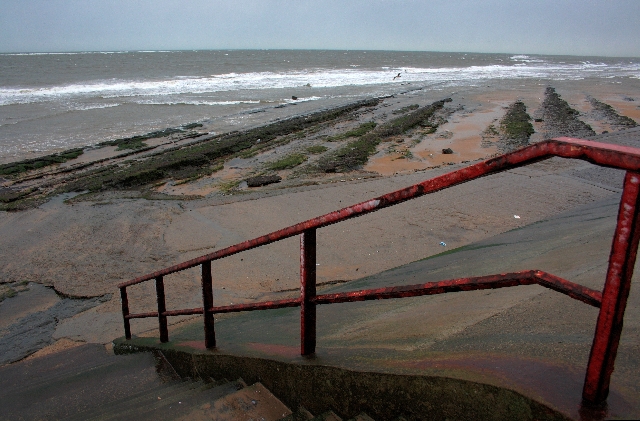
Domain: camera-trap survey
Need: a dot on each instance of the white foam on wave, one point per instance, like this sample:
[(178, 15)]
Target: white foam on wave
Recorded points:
[(526, 59), (86, 107), (316, 78), (76, 53), (194, 102), (301, 99)]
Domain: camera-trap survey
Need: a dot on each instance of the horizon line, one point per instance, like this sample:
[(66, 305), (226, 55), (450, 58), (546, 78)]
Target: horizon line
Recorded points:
[(17, 53)]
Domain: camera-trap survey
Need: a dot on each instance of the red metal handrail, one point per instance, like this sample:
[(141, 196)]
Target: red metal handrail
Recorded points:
[(503, 280), (611, 301)]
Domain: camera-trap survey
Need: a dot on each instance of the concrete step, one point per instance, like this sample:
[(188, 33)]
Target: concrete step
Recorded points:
[(300, 415), (170, 402), (131, 405), (327, 416), (303, 415), (252, 402), (362, 417), (87, 383), (88, 376)]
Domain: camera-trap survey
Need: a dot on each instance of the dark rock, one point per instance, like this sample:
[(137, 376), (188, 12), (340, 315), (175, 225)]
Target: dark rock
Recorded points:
[(293, 97), (515, 128), (538, 120), (263, 180), (36, 163), (607, 113), (8, 194), (560, 119), (447, 151)]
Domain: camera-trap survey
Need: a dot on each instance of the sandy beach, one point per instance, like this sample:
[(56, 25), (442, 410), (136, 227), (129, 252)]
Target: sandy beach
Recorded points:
[(83, 245)]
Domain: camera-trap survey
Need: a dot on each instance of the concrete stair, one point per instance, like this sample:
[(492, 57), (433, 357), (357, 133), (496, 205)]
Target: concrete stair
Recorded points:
[(168, 402), (303, 415), (87, 383)]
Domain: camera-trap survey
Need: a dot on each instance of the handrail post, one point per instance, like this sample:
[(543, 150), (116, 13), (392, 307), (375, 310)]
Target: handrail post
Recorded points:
[(162, 319), (614, 296), (307, 292), (207, 303), (125, 312)]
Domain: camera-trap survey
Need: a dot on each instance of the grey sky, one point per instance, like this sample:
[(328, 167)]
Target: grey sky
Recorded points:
[(586, 27)]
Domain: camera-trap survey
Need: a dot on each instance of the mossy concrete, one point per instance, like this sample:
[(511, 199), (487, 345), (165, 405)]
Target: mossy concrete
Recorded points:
[(319, 387)]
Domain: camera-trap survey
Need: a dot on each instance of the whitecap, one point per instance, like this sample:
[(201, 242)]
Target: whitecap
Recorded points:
[(195, 102), (318, 78), (311, 98), (86, 107)]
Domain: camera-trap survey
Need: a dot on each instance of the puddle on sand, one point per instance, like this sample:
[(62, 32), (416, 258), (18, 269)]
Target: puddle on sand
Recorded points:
[(29, 319), (463, 134)]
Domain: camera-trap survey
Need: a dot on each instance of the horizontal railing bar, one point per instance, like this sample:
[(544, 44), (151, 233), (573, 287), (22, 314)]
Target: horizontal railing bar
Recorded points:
[(265, 305), (185, 312), (576, 291), (598, 153), (530, 277), (141, 315), (503, 280), (431, 288)]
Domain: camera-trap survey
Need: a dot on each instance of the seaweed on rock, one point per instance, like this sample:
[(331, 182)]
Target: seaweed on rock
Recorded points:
[(195, 160), (515, 128), (559, 119), (609, 114), (356, 153), (15, 168)]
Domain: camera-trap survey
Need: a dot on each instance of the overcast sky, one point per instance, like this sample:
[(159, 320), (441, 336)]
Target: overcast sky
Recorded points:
[(585, 27)]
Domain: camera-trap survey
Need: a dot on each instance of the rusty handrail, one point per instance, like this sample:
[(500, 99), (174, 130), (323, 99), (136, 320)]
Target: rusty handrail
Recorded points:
[(611, 301), (598, 153), (503, 280)]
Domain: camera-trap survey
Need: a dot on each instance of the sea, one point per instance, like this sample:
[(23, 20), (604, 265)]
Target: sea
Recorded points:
[(55, 101)]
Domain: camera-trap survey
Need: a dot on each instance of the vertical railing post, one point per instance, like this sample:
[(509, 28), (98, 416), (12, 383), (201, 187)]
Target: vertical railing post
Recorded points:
[(614, 296), (307, 292), (125, 312), (207, 303), (162, 319)]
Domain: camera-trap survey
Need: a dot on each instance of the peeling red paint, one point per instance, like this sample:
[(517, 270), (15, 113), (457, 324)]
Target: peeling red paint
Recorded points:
[(503, 280), (615, 294)]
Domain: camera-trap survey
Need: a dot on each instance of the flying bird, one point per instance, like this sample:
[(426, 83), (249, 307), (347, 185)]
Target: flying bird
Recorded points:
[(395, 77)]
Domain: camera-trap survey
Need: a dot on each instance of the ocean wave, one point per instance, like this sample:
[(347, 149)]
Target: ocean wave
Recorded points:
[(303, 99), (526, 59), (169, 102), (76, 53), (315, 78), (86, 107)]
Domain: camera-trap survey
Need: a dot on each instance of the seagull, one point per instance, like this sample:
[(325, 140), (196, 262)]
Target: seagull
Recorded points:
[(395, 77)]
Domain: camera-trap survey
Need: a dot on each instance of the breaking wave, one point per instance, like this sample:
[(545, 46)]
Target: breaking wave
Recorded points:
[(524, 67)]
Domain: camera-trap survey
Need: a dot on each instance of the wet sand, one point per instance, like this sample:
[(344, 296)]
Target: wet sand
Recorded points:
[(84, 248)]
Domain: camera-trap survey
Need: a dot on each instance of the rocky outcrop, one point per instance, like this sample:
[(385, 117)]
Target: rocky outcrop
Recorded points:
[(263, 180), (559, 119)]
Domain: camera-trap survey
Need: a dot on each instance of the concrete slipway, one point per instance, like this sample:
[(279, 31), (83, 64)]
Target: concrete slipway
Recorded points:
[(525, 339)]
